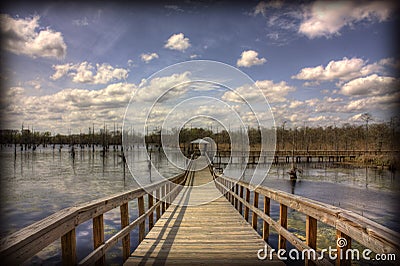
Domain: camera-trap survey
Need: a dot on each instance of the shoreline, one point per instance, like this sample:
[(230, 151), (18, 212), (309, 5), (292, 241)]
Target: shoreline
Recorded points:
[(391, 163)]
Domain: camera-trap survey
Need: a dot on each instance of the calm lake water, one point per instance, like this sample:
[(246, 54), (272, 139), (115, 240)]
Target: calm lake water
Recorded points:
[(37, 184)]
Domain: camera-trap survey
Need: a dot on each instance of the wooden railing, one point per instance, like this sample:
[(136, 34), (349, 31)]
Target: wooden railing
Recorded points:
[(348, 225), (24, 244)]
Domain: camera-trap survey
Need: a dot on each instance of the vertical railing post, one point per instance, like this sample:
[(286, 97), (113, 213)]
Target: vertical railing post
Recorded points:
[(163, 200), (158, 208), (227, 189), (343, 243), (267, 204), (283, 223), (246, 209), (68, 248), (151, 216), (126, 241), (233, 186), (241, 196), (228, 194), (98, 236), (254, 216), (167, 190), (142, 229), (237, 193), (231, 197), (311, 235)]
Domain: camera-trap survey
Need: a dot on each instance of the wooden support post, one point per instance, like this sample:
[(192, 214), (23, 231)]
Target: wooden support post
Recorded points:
[(230, 194), (311, 235), (142, 229), (246, 209), (343, 243), (126, 241), (254, 216), (151, 216), (225, 183), (229, 190), (283, 223), (226, 188), (158, 208), (68, 248), (163, 200), (267, 204), (98, 236), (228, 185), (237, 193), (168, 199), (232, 189), (240, 203)]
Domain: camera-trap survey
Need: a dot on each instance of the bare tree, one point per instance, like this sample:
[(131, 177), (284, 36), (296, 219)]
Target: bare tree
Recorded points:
[(366, 117)]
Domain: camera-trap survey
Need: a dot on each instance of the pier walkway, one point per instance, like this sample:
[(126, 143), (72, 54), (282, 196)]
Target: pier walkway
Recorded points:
[(208, 234)]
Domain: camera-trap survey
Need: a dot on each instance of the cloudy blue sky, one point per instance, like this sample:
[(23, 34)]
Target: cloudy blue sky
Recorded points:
[(67, 65)]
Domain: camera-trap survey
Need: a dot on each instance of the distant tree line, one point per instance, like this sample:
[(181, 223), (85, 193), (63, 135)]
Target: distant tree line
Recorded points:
[(26, 136), (376, 136)]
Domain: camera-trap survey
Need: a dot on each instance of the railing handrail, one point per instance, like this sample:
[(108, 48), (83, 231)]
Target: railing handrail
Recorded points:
[(25, 243), (368, 233)]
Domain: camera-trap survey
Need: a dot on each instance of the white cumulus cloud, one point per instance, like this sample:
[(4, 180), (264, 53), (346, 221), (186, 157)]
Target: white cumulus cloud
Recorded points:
[(344, 69), (273, 92), (69, 107), (150, 90), (381, 102), (250, 58), (177, 42), (148, 57), (370, 85), (327, 18), (85, 72), (22, 36)]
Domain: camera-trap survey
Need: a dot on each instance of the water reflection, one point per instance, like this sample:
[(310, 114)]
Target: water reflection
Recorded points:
[(292, 184), (37, 183)]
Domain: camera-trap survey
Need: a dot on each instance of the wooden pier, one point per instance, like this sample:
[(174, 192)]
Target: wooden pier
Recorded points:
[(205, 234), (174, 228), (298, 156)]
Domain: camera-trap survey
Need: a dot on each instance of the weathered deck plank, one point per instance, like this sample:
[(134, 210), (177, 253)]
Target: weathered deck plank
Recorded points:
[(207, 234)]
